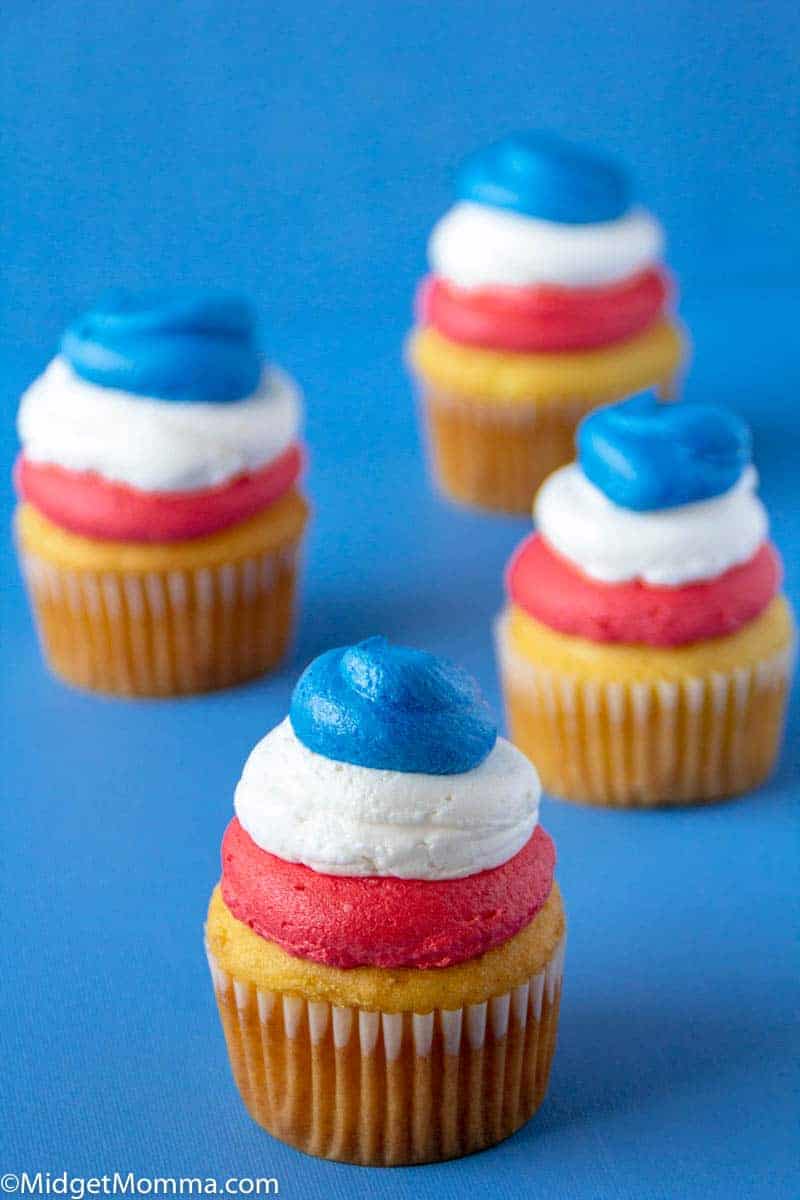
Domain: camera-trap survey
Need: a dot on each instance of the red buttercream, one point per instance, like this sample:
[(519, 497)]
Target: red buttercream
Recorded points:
[(556, 593), (85, 503), (543, 318), (344, 921)]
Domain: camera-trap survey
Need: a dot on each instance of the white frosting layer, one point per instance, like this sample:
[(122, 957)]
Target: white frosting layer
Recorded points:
[(475, 246), (342, 819), (155, 445), (668, 547)]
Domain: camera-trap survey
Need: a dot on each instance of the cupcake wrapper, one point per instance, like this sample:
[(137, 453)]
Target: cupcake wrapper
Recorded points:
[(643, 744), (495, 456), (163, 633), (383, 1089)]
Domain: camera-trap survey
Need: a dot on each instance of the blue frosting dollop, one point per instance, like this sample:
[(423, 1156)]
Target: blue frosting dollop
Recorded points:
[(542, 175), (172, 345), (384, 706), (645, 454)]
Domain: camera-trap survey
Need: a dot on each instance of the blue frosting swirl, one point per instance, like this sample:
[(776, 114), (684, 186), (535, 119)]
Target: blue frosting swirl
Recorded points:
[(645, 454), (542, 175), (171, 345), (384, 706)]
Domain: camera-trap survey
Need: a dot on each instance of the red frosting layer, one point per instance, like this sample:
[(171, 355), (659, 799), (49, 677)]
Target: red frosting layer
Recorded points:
[(344, 921), (85, 503), (556, 593), (543, 318)]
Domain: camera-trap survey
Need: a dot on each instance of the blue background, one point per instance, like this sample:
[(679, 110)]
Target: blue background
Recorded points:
[(300, 152)]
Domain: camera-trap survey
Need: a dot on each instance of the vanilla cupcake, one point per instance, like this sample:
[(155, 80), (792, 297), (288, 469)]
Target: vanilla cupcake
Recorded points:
[(547, 296), (160, 517), (386, 941), (646, 648)]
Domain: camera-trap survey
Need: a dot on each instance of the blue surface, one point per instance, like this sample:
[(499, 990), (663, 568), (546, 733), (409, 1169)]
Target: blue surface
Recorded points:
[(300, 153)]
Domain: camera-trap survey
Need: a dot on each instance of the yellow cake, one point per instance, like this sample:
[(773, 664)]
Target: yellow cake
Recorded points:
[(541, 304), (646, 651), (389, 988), (160, 518)]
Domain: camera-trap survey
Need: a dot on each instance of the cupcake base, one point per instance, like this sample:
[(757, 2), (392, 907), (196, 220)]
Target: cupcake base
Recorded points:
[(642, 727), (163, 620), (498, 424), (385, 1088)]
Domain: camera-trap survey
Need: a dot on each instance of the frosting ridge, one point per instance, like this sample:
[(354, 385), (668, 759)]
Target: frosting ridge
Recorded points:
[(152, 444), (473, 246), (393, 708), (543, 175), (550, 589), (182, 345), (543, 317), (340, 818), (664, 547), (87, 504), (644, 454), (383, 922)]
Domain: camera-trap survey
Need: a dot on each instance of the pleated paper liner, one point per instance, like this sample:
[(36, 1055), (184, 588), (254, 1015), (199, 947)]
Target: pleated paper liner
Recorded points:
[(385, 1089), (165, 631), (700, 738)]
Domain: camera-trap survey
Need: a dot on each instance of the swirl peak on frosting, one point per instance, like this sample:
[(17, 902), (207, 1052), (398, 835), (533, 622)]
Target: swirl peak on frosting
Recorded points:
[(392, 708), (543, 175), (646, 455), (183, 345)]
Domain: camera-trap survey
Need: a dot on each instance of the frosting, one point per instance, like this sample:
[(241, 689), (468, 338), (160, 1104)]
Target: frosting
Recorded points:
[(341, 818), (545, 176), (474, 246), (550, 589), (93, 507), (383, 706), (543, 318), (383, 822), (177, 345), (152, 444), (644, 454), (665, 547), (383, 922)]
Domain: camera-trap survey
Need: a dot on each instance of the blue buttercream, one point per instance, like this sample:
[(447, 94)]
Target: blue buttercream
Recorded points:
[(171, 345), (645, 454), (541, 175), (384, 706)]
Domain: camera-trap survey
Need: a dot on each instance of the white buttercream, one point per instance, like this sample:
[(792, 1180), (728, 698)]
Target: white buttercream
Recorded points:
[(475, 246), (151, 444), (668, 547), (342, 819)]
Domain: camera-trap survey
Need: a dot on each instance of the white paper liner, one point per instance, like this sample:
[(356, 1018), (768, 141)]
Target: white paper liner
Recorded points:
[(387, 1088), (472, 1023), (161, 632), (645, 743)]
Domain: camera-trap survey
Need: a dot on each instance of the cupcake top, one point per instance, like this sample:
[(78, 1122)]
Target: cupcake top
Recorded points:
[(535, 209), (384, 821), (157, 396), (662, 502), (544, 252)]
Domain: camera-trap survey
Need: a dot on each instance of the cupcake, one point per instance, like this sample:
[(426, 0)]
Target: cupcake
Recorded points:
[(546, 298), (159, 517), (646, 649), (386, 942)]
